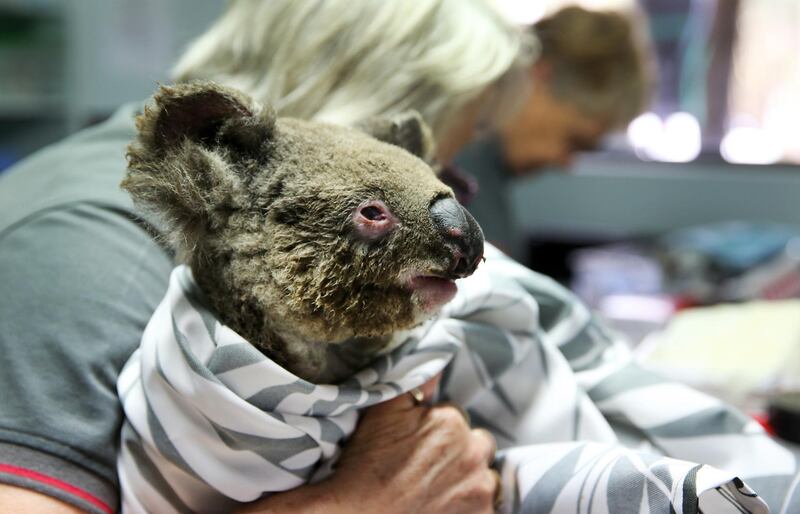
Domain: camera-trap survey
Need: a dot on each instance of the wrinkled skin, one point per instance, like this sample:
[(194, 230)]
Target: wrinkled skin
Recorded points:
[(316, 243), (403, 458)]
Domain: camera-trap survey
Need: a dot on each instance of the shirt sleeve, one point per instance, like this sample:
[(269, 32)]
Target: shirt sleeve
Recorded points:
[(79, 283)]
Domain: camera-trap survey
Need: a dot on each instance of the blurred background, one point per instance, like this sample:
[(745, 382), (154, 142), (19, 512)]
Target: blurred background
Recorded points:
[(683, 230), (65, 65)]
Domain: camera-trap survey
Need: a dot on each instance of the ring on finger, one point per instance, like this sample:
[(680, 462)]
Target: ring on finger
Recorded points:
[(461, 411), (491, 438), (417, 396)]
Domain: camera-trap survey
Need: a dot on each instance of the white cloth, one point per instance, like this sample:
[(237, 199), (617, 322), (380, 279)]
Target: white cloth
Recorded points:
[(212, 422)]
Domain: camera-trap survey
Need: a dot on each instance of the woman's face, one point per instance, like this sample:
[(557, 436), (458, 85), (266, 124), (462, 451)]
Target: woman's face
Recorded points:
[(548, 131)]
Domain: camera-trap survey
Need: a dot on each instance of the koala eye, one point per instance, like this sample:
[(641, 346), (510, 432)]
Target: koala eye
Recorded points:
[(373, 220), (373, 213)]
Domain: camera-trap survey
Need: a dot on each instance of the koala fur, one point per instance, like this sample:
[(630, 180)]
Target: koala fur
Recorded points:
[(274, 217)]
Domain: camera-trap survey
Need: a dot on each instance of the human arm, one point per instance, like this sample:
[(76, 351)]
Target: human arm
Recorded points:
[(401, 459), (79, 283), (20, 499), (393, 464)]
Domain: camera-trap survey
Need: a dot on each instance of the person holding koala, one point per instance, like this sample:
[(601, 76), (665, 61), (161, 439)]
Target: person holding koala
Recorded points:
[(87, 271), (316, 279), (309, 252), (83, 270)]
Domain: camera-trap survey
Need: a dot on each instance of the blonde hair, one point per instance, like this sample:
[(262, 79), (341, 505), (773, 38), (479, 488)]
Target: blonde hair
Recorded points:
[(597, 62), (344, 61)]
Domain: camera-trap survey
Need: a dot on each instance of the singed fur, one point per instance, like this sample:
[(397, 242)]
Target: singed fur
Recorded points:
[(261, 210)]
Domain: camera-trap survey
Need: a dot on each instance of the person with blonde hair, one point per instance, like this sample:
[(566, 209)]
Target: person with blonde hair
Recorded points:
[(341, 63), (83, 270)]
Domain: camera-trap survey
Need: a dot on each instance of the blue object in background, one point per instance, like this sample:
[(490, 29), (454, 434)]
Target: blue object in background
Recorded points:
[(7, 158), (737, 246)]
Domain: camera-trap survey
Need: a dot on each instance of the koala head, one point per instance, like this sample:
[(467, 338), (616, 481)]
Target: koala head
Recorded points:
[(300, 233)]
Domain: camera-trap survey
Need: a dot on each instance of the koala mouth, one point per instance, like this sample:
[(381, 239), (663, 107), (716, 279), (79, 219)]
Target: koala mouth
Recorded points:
[(433, 291)]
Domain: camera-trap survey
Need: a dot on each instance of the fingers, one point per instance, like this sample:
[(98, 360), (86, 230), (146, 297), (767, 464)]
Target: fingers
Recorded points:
[(487, 443), (422, 395), (459, 408), (430, 387), (417, 396), (482, 439), (425, 394), (497, 498), (486, 492)]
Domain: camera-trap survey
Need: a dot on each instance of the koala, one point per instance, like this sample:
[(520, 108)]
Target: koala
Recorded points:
[(314, 242)]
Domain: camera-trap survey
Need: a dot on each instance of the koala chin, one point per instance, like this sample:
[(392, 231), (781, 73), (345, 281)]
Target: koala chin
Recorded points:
[(315, 242)]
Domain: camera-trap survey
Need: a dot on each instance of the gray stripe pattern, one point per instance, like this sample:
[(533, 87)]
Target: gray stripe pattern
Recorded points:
[(212, 423)]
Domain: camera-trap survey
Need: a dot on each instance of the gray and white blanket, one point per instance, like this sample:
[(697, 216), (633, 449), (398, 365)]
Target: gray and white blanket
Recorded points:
[(212, 422)]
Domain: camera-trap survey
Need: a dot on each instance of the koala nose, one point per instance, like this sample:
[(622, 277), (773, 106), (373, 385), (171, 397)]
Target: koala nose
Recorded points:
[(461, 233)]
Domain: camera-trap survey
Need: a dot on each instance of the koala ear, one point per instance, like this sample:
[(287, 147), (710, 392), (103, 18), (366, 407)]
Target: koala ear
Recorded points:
[(175, 167), (204, 113), (406, 130)]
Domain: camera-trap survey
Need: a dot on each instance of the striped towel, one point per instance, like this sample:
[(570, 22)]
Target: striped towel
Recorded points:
[(212, 422)]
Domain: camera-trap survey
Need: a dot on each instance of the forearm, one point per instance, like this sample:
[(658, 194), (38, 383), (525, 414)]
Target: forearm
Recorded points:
[(18, 499), (320, 498)]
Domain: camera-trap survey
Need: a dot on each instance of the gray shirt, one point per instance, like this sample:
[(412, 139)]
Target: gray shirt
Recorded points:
[(80, 276)]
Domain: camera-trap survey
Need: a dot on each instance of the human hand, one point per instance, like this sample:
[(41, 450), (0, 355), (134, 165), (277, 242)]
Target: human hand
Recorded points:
[(406, 458), (403, 458)]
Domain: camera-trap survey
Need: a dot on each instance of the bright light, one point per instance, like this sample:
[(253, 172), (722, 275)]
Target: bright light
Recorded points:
[(781, 120), (683, 140), (522, 12), (653, 309), (645, 131), (748, 145), (606, 5), (528, 12), (676, 139)]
